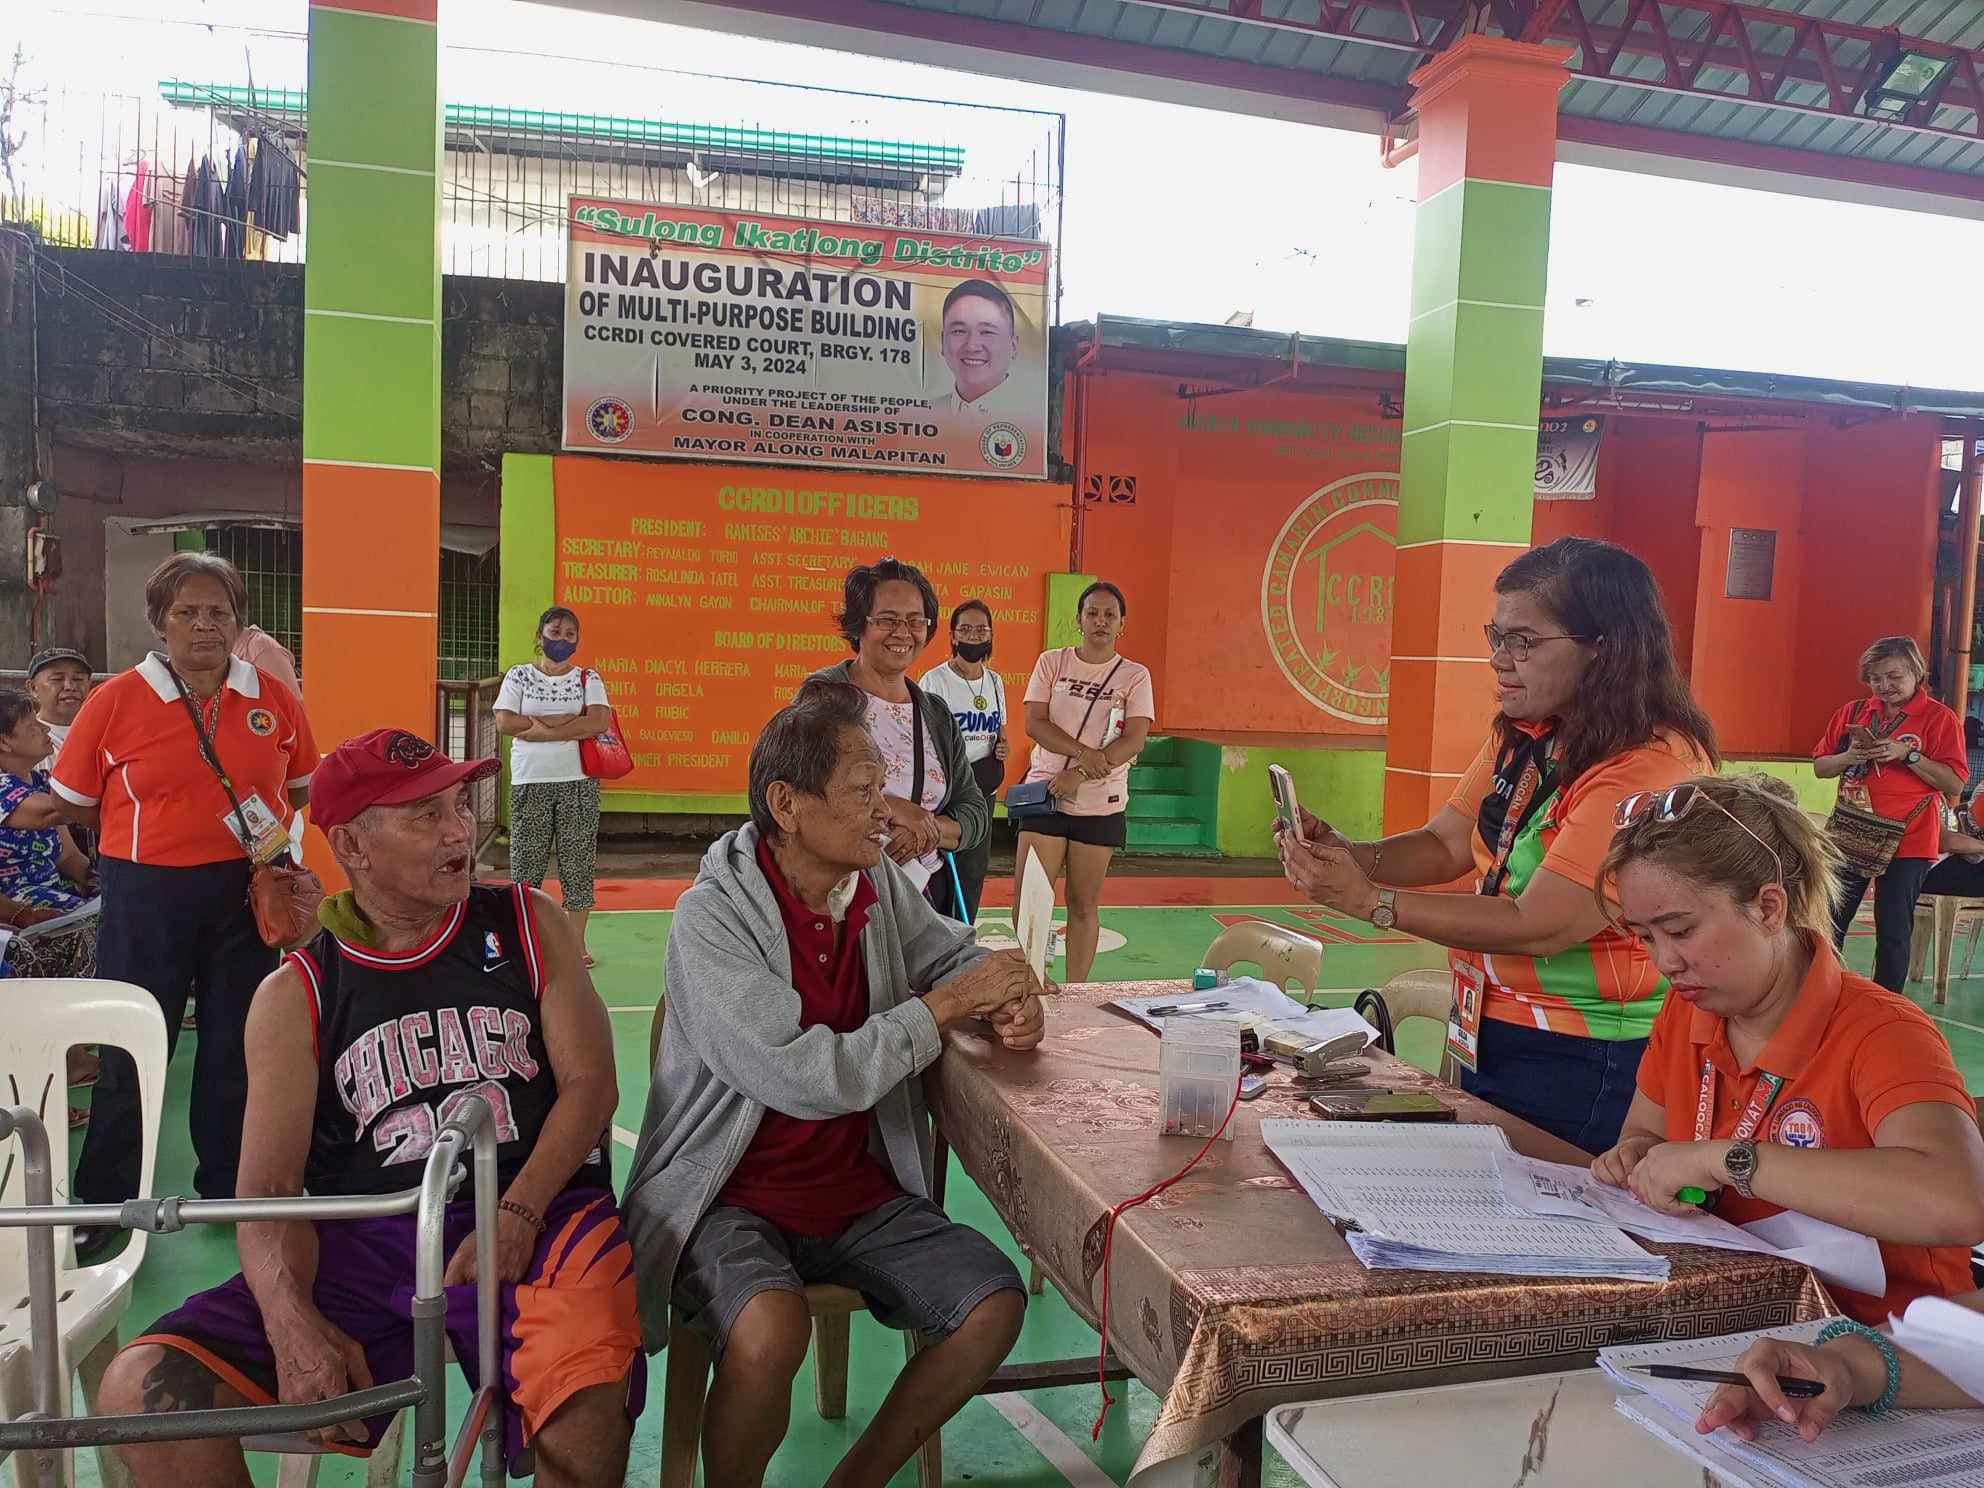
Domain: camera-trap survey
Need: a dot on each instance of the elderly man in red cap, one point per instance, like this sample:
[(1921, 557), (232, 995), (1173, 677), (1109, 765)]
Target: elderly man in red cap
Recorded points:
[(422, 987)]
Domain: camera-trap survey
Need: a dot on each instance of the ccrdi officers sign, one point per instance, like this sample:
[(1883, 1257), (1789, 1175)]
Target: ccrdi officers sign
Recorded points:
[(741, 336)]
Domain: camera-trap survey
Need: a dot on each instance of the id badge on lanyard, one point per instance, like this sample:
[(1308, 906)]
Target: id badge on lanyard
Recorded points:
[(1464, 1021), (1761, 1100)]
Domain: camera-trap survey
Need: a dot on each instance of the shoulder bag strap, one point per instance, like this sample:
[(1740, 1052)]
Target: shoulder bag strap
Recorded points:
[(916, 745), (1089, 712)]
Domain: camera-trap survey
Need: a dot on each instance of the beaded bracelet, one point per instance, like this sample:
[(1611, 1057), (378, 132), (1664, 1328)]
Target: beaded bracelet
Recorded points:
[(1839, 1328), (523, 1212)]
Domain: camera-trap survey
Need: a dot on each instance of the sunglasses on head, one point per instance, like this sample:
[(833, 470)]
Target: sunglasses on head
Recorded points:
[(1672, 804)]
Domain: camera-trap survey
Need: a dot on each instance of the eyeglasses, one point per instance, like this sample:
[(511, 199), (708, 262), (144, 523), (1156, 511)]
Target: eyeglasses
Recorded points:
[(914, 624), (1518, 642), (973, 632), (1676, 802)]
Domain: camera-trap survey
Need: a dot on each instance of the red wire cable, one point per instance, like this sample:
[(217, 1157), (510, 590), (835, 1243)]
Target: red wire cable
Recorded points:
[(1109, 1239)]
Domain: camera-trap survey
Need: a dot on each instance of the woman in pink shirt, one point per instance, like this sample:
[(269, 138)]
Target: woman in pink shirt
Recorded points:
[(1088, 712)]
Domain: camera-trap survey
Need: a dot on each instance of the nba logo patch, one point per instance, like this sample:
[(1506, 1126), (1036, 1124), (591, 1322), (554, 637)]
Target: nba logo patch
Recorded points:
[(492, 948), (1798, 1125)]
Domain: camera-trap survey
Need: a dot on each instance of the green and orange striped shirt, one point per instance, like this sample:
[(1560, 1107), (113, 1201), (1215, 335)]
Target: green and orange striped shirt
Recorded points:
[(1605, 988)]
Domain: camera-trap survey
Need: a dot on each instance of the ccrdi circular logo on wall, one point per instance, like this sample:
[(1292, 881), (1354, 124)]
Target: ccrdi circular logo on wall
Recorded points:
[(1326, 596)]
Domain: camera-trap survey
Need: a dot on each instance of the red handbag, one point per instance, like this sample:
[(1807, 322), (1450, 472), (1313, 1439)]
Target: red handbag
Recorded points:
[(606, 756)]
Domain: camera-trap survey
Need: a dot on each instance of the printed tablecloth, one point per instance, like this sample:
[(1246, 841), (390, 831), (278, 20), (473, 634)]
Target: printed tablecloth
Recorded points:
[(1230, 1293)]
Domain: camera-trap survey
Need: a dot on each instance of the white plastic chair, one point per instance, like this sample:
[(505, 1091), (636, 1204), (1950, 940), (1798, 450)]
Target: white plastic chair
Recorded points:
[(40, 1021)]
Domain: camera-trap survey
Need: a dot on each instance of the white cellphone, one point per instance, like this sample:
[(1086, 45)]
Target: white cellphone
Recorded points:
[(1287, 809)]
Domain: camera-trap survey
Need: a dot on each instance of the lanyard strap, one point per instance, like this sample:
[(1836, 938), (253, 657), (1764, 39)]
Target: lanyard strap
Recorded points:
[(1512, 824), (1762, 1098)]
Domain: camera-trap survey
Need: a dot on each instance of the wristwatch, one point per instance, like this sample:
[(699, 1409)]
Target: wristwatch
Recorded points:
[(1740, 1162), (1913, 757), (1385, 915)]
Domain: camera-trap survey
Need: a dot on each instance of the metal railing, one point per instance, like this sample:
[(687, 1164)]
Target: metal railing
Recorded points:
[(728, 144), (465, 729), (46, 1433)]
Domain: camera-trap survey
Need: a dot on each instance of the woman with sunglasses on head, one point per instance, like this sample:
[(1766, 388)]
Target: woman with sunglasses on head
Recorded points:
[(1554, 1001), (888, 612), (1896, 752), (1775, 1078)]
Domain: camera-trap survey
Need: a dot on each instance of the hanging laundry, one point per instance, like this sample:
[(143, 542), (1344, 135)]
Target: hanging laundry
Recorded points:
[(203, 211), (273, 190), (110, 215), (234, 207), (138, 210)]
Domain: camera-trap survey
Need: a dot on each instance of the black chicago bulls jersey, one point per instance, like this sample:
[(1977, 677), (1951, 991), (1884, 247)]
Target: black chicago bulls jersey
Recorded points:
[(402, 1036)]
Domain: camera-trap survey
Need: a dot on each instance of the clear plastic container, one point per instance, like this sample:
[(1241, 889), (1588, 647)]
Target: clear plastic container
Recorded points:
[(1198, 1075)]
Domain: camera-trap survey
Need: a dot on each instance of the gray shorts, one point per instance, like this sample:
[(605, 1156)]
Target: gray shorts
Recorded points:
[(915, 1268)]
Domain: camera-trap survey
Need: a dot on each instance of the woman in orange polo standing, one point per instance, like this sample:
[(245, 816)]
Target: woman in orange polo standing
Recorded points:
[(171, 855), (1775, 1078), (1895, 752), (1555, 1004)]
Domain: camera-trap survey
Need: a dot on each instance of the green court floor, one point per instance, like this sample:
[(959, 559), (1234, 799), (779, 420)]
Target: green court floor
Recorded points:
[(1040, 1440)]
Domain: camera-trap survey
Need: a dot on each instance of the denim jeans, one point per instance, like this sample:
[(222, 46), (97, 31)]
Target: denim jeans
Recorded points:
[(1573, 1087)]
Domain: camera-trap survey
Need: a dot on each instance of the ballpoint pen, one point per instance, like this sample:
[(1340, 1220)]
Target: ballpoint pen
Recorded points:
[(1791, 1385), (1172, 1009)]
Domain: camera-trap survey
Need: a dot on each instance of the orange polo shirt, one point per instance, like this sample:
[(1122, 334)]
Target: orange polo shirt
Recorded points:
[(1894, 790), (1851, 1054), (132, 752)]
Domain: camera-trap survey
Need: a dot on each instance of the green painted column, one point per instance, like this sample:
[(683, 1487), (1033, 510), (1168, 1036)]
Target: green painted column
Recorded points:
[(1487, 113), (372, 367)]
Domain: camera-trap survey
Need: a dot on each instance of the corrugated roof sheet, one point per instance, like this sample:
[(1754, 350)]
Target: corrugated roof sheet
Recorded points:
[(1955, 22)]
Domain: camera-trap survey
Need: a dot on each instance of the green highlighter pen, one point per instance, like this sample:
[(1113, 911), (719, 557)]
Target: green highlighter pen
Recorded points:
[(1692, 1195)]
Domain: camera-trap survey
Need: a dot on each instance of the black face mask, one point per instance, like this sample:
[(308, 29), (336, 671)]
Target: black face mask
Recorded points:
[(972, 651)]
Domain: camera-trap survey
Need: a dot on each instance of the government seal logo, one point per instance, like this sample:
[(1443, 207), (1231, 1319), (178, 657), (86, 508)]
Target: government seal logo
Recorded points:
[(1326, 596), (610, 420), (261, 722), (1002, 445)]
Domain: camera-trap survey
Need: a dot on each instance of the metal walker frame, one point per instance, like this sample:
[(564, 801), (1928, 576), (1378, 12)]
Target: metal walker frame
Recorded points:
[(45, 1434)]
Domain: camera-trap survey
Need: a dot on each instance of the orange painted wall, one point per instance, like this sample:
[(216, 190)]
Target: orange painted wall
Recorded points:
[(1870, 525), (1745, 650), (1219, 480), (1650, 470)]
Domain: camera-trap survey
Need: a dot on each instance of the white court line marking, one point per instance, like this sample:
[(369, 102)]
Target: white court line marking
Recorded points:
[(1051, 1442), (625, 1137), (1956, 1023), (634, 1009)]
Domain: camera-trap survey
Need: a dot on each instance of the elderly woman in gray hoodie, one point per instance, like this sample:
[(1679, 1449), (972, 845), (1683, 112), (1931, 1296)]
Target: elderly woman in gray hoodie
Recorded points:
[(888, 614), (786, 1140)]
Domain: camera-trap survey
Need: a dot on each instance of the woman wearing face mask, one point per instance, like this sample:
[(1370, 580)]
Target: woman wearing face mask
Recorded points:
[(976, 696), (1895, 752), (1775, 1078), (546, 707), (888, 610), (1555, 1003)]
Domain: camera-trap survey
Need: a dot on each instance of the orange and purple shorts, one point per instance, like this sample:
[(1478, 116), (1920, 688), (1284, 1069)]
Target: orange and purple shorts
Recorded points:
[(569, 1324)]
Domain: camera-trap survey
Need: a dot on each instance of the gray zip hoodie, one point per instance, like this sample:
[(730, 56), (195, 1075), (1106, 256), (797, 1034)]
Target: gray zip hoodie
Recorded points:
[(732, 1046)]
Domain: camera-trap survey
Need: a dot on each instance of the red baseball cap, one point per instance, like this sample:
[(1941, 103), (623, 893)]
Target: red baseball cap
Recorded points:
[(387, 767)]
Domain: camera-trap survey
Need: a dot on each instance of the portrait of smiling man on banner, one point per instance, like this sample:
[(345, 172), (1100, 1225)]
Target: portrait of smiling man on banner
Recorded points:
[(980, 341)]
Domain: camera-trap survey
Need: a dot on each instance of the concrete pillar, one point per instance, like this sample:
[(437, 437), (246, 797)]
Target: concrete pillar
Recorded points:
[(1487, 114), (372, 368)]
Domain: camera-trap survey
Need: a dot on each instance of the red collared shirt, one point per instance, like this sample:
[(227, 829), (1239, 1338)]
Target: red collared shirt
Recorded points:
[(1894, 790), (1851, 1054), (815, 1177)]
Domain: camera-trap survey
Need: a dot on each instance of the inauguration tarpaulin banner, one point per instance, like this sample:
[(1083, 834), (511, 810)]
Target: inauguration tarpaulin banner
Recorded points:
[(707, 335), (1567, 457)]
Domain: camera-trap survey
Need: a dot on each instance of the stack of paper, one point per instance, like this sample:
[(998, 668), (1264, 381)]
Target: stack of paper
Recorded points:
[(1251, 1003), (1946, 1337), (1425, 1197), (1902, 1449), (1843, 1257)]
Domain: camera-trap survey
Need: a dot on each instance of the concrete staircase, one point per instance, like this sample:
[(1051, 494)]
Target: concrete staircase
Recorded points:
[(1173, 810)]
